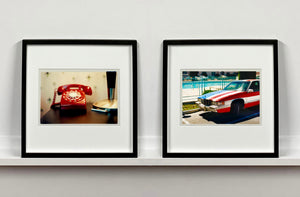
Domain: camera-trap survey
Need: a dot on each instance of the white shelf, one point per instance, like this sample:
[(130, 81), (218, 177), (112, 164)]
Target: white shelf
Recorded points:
[(149, 155), (150, 162)]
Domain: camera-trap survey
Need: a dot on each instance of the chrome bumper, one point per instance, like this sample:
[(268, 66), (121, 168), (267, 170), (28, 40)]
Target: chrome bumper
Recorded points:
[(212, 108)]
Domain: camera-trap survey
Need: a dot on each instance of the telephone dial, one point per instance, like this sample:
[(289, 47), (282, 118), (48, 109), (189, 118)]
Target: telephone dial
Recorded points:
[(72, 97)]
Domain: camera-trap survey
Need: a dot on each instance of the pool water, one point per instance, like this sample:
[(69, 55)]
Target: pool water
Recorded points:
[(203, 84)]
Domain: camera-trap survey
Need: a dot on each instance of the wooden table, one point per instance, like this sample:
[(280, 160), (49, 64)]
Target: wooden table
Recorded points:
[(57, 116)]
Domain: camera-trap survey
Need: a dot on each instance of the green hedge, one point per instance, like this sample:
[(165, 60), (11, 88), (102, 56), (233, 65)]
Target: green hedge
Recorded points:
[(208, 91), (189, 106)]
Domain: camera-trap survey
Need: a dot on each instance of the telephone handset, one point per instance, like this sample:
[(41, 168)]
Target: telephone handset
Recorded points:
[(72, 96)]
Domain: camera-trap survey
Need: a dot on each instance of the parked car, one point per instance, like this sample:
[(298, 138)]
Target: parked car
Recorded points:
[(235, 97)]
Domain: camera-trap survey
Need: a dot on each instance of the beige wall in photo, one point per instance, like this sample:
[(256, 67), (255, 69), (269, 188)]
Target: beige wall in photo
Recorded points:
[(51, 80)]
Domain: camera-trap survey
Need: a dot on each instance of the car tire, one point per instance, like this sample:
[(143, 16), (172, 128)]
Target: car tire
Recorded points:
[(236, 108)]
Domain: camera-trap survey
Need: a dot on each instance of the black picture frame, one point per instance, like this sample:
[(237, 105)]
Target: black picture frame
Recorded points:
[(133, 44), (166, 44)]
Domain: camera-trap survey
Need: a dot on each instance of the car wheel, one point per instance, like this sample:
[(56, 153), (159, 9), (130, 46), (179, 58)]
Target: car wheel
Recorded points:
[(236, 108)]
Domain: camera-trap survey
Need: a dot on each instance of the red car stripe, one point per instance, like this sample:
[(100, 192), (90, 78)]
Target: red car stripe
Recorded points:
[(247, 105), (224, 110), (222, 97), (240, 95), (218, 95)]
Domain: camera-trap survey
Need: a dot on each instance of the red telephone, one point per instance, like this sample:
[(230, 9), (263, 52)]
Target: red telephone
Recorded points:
[(72, 96)]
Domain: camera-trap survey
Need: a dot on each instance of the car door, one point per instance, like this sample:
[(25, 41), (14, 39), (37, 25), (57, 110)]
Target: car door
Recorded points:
[(252, 98)]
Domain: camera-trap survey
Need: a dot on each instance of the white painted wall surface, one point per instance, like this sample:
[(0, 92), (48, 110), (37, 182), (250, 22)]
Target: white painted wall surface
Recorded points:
[(149, 22)]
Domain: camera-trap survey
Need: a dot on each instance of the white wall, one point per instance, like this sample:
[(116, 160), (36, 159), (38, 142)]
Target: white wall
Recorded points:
[(149, 22)]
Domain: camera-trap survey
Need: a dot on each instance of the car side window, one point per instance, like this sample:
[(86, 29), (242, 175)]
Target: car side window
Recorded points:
[(254, 86)]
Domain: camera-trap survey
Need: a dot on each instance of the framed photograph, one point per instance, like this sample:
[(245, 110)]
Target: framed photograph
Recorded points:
[(79, 98), (220, 98)]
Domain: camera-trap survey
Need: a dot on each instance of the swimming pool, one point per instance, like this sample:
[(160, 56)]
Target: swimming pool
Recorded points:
[(203, 84)]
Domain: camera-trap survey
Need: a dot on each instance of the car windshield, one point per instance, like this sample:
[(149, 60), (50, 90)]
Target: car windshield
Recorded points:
[(237, 85)]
